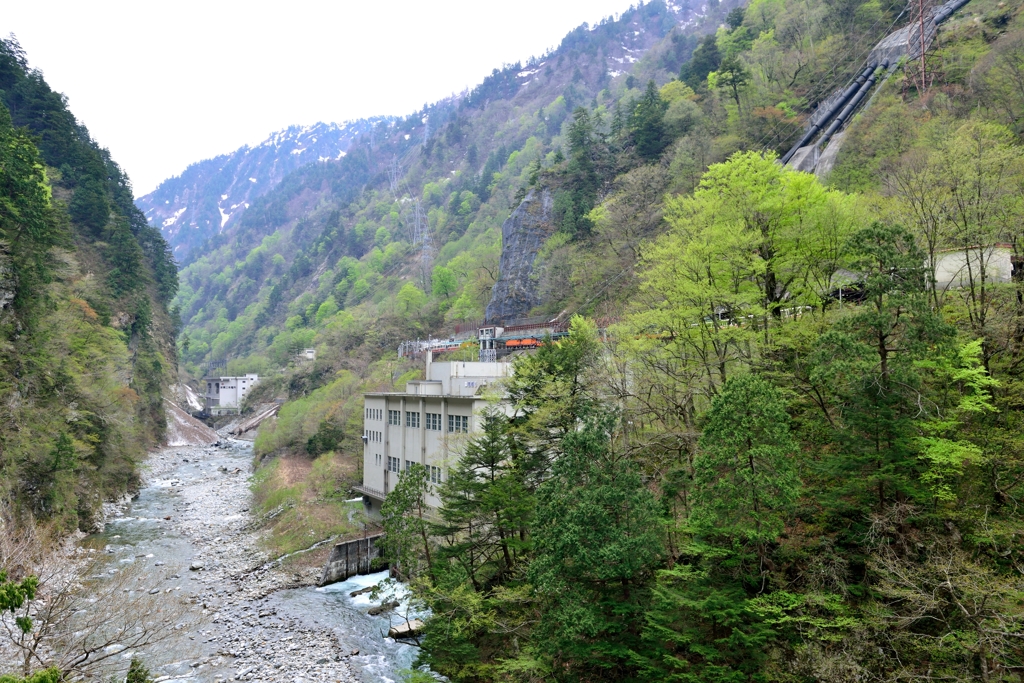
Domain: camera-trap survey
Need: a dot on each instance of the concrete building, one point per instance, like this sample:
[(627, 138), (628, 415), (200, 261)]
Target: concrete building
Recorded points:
[(427, 424), (224, 394), (957, 268)]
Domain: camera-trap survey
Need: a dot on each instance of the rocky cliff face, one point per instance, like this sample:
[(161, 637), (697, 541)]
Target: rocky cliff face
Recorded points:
[(211, 195), (522, 235)]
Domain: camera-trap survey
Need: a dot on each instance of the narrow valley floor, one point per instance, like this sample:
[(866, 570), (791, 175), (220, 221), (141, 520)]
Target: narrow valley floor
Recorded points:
[(192, 527)]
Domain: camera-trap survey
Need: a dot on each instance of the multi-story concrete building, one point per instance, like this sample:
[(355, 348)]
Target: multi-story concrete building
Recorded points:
[(427, 424), (225, 394)]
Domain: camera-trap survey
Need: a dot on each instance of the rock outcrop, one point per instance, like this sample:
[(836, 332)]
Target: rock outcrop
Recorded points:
[(522, 235)]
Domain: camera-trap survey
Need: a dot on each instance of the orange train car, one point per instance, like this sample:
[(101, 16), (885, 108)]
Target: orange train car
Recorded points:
[(527, 343)]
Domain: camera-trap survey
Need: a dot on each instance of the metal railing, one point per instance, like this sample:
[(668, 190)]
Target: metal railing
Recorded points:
[(369, 491)]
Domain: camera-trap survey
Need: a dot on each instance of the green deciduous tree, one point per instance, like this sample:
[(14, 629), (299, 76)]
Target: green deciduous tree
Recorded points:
[(411, 299), (980, 172), (328, 308), (13, 595), (50, 675), (963, 393), (443, 282), (753, 239)]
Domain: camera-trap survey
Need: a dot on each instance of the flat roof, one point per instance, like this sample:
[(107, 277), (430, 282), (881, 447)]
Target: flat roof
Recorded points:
[(405, 394)]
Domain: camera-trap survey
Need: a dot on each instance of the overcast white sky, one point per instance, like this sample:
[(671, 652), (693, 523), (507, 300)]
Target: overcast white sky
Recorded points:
[(164, 83)]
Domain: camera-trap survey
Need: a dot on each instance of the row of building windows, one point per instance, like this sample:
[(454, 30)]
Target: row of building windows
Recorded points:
[(374, 414), (375, 436), (395, 465), (456, 423)]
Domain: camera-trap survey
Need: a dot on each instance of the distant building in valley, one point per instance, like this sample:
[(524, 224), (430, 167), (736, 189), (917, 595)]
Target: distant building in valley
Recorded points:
[(427, 424), (224, 394)]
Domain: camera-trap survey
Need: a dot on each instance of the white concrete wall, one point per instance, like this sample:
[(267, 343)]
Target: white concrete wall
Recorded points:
[(953, 269), (466, 378), (226, 393), (375, 418), (437, 448)]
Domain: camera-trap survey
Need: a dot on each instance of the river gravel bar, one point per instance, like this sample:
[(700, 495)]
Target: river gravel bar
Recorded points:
[(191, 525)]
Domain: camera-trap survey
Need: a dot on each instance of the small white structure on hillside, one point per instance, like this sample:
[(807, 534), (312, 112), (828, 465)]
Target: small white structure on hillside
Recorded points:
[(958, 268), (427, 424), (224, 394)]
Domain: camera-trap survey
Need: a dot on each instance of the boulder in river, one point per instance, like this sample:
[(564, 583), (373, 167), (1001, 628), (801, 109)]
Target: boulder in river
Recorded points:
[(386, 607), (407, 630)]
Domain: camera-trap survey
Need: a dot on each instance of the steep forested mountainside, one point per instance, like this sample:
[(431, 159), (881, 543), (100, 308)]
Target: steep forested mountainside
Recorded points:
[(437, 186), (209, 196), (86, 341)]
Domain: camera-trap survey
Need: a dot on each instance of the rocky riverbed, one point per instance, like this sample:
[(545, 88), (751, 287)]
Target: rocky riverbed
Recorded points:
[(255, 620)]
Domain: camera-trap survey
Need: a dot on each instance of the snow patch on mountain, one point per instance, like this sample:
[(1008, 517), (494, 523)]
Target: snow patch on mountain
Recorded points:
[(210, 196)]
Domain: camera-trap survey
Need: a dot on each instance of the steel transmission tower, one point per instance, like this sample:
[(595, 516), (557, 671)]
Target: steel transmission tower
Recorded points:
[(421, 236)]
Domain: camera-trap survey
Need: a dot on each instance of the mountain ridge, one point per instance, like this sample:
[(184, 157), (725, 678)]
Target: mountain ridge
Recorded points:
[(470, 146), (191, 208), (210, 195)]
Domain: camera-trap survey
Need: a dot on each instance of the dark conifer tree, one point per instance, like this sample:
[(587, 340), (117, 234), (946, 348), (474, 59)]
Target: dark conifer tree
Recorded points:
[(646, 125)]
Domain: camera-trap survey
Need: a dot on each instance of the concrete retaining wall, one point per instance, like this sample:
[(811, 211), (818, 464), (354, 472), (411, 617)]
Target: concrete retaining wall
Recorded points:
[(350, 558)]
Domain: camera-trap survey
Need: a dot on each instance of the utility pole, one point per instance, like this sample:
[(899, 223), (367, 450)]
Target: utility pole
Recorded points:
[(924, 63), (922, 75)]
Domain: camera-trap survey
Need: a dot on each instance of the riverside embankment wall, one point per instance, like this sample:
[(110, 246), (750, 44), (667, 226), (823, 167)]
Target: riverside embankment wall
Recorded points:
[(350, 558)]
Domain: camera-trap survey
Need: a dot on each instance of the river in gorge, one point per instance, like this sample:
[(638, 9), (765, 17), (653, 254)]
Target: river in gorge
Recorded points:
[(190, 525)]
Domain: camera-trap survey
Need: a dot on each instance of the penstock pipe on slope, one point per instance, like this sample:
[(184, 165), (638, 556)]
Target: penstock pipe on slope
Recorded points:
[(850, 91), (844, 115), (947, 10)]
